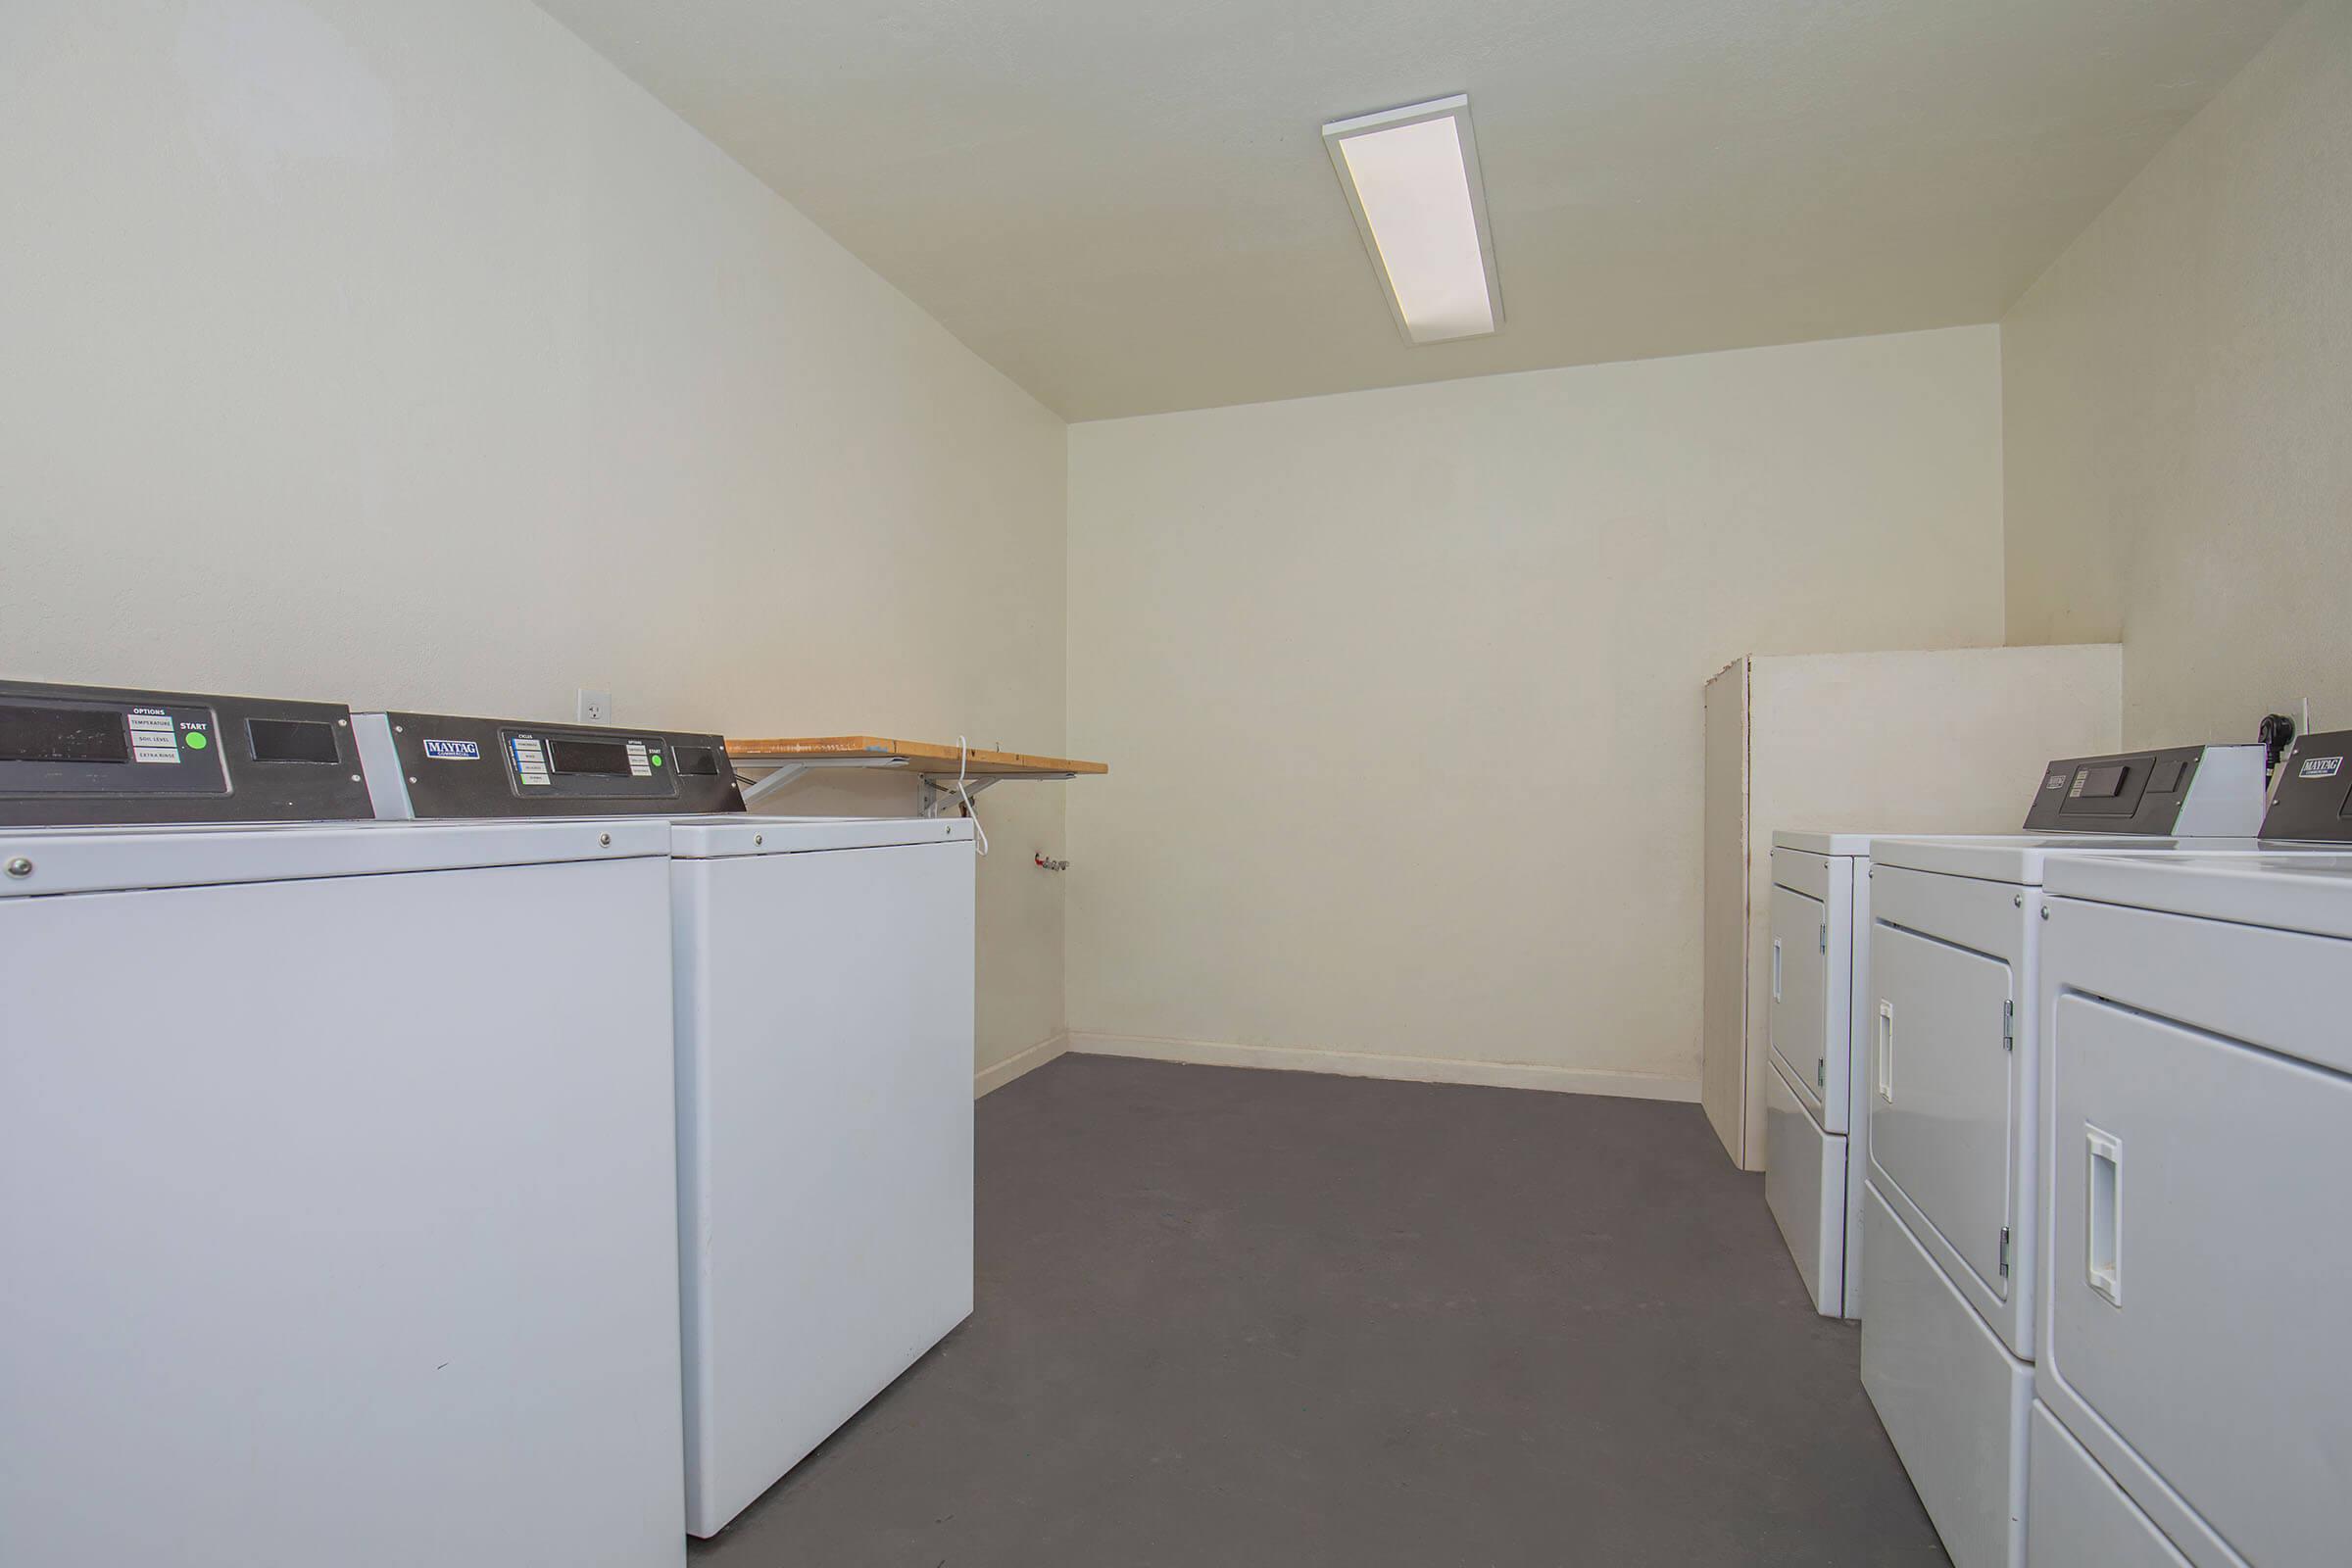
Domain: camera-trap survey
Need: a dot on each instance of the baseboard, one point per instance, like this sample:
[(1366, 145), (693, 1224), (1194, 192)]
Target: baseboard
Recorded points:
[(989, 1079), (1409, 1069)]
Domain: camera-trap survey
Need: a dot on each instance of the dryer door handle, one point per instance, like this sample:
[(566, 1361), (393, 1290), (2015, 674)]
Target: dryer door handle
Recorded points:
[(2103, 1216), (1883, 1048)]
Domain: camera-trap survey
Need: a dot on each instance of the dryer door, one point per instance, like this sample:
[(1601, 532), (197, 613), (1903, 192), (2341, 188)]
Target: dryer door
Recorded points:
[(1940, 1112), (1801, 997), (2199, 1262)]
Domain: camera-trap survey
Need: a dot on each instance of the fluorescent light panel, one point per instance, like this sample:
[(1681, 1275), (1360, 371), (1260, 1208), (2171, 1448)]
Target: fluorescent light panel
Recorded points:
[(1411, 178)]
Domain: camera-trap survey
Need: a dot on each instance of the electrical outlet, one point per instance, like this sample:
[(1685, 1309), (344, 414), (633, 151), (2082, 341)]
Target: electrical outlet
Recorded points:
[(596, 708)]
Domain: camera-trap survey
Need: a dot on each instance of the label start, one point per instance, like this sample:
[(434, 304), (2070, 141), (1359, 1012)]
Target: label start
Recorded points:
[(2322, 766), (453, 750)]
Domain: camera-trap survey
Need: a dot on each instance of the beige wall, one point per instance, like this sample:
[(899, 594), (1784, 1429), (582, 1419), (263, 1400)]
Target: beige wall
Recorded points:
[(2178, 394), (408, 354), (1402, 688)]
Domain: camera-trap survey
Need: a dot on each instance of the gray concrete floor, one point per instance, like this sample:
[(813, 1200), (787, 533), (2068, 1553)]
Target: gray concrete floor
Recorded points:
[(1232, 1318)]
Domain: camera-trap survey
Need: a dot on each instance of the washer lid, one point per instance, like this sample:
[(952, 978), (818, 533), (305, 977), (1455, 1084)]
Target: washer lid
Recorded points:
[(2292, 890), (2016, 857), (1813, 842), (117, 859), (713, 838)]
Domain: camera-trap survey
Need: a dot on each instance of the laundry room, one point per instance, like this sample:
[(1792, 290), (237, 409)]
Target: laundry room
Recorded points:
[(1039, 784)]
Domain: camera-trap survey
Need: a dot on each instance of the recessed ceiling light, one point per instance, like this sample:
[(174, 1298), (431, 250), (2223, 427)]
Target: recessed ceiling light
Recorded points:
[(1411, 178)]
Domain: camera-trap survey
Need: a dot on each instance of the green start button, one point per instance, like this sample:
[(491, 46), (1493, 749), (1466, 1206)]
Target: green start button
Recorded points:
[(196, 739)]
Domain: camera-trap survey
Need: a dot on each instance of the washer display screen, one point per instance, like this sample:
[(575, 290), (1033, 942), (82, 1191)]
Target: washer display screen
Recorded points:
[(62, 735), (607, 758)]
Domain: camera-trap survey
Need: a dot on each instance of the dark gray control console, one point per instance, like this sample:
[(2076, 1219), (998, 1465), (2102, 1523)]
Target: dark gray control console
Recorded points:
[(443, 765), (2313, 796), (2178, 791), (99, 756)]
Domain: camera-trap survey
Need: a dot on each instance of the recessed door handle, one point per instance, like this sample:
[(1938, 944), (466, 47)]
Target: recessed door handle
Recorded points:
[(1884, 1042), (1776, 968), (2103, 1223)]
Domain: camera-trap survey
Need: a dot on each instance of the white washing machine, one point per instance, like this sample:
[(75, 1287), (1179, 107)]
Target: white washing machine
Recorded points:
[(1951, 1085), (824, 1031), (336, 1159), (2193, 1396), (823, 1044)]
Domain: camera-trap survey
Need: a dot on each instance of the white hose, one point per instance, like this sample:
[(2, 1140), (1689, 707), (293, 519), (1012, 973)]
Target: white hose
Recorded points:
[(963, 752)]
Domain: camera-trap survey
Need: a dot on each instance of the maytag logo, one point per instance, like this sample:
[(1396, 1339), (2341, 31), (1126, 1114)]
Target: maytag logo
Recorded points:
[(453, 750), (2322, 766)]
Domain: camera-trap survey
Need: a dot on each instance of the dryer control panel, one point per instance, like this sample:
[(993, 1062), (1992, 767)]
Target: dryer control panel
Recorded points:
[(101, 755), (444, 766), (2313, 797), (2176, 791)]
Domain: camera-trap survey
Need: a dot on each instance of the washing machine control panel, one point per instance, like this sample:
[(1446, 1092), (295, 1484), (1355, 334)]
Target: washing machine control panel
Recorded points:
[(2313, 796), (604, 767), (98, 754), (2137, 792), (444, 766)]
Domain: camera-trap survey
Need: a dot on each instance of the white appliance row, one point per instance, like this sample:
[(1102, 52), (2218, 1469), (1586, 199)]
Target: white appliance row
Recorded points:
[(2048, 1025), (1823, 1018), (343, 1163), (823, 1036)]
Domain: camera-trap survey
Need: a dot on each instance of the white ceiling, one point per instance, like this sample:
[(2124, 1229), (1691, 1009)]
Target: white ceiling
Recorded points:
[(1128, 208)]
